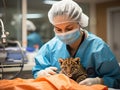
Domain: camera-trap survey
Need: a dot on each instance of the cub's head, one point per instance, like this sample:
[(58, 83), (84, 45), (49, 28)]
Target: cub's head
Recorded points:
[(69, 66)]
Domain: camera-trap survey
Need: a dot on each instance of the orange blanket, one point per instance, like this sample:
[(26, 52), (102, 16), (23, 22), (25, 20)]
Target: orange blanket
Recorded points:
[(55, 82)]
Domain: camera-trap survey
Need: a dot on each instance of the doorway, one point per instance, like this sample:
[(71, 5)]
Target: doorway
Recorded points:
[(113, 30)]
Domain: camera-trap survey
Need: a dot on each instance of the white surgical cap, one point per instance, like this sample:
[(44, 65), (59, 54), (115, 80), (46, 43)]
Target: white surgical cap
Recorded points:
[(30, 26), (70, 9)]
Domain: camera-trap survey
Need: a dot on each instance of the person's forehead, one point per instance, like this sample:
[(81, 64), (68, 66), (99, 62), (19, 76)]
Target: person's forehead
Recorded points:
[(63, 20), (66, 24), (60, 19)]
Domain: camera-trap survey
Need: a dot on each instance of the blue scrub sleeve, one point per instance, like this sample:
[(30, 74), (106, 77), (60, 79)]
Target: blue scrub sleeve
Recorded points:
[(113, 78), (107, 67), (42, 60)]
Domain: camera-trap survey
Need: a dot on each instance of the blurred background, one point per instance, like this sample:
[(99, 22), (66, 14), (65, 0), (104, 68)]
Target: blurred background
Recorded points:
[(104, 19)]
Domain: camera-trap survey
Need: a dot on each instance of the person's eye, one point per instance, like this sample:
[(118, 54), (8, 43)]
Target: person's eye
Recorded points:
[(69, 28), (58, 30)]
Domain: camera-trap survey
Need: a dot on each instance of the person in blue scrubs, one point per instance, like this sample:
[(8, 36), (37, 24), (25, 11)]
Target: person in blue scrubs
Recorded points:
[(72, 40), (34, 40)]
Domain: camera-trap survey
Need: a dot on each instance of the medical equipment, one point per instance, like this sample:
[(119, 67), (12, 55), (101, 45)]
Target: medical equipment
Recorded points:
[(3, 36), (10, 57)]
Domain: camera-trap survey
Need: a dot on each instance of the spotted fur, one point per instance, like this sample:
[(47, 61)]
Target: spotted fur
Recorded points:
[(72, 68)]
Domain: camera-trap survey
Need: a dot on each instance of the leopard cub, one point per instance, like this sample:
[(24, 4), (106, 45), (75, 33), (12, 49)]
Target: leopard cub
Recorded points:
[(72, 68)]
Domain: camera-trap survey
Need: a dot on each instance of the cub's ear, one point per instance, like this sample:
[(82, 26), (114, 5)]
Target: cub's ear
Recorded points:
[(60, 61), (77, 60)]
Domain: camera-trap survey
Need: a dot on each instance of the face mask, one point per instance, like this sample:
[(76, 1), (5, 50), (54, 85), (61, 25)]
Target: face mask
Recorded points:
[(69, 37)]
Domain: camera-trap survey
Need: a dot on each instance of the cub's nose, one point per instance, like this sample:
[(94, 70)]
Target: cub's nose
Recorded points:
[(69, 75)]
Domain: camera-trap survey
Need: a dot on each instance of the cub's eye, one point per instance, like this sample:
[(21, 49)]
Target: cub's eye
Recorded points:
[(65, 68), (74, 68)]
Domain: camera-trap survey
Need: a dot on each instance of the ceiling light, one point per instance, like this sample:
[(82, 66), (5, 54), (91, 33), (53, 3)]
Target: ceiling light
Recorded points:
[(34, 15), (49, 2)]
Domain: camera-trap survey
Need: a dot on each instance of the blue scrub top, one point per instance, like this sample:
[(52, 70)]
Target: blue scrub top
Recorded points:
[(96, 58), (33, 39)]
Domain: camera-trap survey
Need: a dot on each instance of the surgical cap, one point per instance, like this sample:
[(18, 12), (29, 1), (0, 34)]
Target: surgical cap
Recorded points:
[(70, 9), (30, 26)]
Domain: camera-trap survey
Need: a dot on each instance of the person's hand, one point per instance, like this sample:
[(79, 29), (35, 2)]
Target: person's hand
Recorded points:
[(91, 81), (47, 72)]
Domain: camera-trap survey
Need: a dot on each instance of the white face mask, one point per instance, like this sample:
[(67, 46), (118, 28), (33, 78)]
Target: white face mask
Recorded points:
[(69, 37)]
